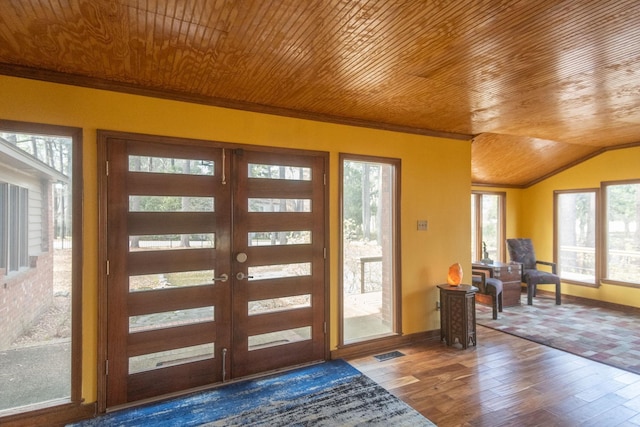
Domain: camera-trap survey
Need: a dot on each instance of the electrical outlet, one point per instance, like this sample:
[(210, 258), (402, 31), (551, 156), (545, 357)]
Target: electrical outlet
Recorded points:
[(423, 224), (437, 305)]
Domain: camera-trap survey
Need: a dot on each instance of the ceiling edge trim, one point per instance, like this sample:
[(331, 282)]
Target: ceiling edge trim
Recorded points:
[(96, 83)]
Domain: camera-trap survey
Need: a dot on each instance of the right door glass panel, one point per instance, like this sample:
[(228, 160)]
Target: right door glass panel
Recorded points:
[(276, 238), (292, 173), (273, 305), (279, 205), (263, 272), (272, 339)]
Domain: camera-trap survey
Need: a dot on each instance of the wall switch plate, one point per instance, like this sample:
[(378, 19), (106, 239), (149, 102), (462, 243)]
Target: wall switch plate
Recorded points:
[(423, 224)]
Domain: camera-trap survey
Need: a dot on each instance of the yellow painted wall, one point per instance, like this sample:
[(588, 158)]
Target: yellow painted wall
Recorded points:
[(536, 213), (435, 182)]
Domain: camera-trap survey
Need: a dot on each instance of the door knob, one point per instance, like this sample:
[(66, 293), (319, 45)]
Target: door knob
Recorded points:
[(241, 257), (242, 276)]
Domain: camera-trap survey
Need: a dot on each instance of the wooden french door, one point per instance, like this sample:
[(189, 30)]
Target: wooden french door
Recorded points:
[(278, 293), (215, 263)]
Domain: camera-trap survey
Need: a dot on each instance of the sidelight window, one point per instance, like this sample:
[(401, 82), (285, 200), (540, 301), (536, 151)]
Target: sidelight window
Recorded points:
[(370, 241), (40, 250)]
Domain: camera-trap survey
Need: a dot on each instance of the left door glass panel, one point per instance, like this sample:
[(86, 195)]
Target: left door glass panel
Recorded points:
[(150, 282), (165, 359), (170, 204), (169, 319), (171, 241), (171, 166)]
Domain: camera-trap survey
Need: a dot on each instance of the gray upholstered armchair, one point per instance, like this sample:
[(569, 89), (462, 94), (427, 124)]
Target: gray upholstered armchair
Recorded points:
[(521, 251)]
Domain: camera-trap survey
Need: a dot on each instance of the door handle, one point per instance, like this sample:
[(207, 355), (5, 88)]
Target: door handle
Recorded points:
[(242, 276), (222, 278), (224, 364)]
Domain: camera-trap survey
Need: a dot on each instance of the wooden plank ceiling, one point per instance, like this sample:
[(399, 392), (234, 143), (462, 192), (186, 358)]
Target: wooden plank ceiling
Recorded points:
[(538, 85)]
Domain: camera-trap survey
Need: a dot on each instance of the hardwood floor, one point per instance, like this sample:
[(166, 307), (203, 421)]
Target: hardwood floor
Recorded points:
[(507, 381)]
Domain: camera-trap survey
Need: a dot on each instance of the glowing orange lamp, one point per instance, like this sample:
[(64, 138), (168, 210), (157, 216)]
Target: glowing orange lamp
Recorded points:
[(454, 278)]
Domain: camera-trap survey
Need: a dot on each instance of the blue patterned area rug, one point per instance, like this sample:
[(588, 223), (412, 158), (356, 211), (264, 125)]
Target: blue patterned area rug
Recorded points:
[(327, 394)]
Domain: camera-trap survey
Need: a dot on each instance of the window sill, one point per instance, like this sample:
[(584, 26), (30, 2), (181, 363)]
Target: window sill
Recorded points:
[(618, 283)]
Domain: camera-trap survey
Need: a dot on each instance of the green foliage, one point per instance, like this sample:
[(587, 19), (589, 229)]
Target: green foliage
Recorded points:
[(352, 197), (361, 199), (160, 204), (622, 202)]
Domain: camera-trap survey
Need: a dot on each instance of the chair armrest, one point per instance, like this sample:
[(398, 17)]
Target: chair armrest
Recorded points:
[(480, 269), (482, 273), (550, 264)]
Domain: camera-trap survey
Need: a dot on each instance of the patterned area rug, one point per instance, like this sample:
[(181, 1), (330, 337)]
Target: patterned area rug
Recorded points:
[(327, 394), (604, 335)]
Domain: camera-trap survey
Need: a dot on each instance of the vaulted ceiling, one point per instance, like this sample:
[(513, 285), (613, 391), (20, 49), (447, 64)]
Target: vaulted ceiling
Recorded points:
[(537, 85)]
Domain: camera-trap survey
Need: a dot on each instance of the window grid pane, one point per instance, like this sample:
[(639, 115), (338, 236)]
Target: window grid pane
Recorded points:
[(576, 235), (623, 232)]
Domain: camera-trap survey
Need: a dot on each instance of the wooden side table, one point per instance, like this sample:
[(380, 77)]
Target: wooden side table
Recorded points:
[(458, 314)]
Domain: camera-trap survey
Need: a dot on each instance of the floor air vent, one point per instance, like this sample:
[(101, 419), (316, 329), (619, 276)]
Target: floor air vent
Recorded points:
[(387, 356)]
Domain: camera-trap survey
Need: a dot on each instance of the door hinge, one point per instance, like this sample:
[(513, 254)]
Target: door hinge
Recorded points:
[(325, 327), (324, 253), (107, 266), (106, 168), (106, 367), (324, 179)]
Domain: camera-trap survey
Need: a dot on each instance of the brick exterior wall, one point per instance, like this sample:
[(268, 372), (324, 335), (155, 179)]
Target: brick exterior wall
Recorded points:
[(25, 296)]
